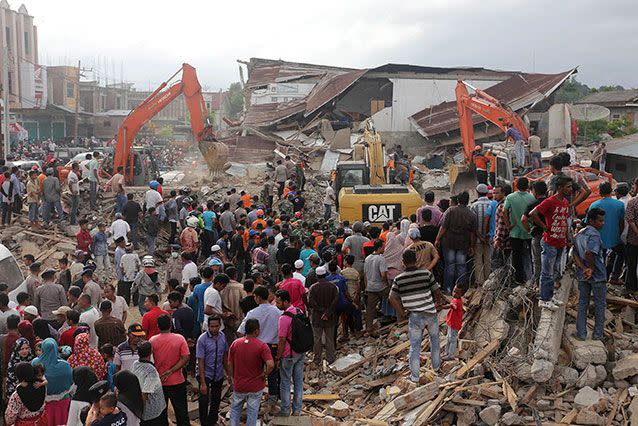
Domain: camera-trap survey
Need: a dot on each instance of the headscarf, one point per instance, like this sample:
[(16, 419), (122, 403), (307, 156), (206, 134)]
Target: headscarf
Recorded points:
[(32, 398), (85, 355), (129, 391), (25, 328), (84, 378), (41, 328), (403, 234), (58, 372), (393, 253), (14, 360)]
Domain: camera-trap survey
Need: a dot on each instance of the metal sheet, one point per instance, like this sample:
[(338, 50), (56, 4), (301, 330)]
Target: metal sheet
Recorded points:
[(329, 161)]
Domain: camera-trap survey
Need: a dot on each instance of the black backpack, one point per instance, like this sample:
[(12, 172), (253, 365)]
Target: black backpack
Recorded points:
[(302, 337)]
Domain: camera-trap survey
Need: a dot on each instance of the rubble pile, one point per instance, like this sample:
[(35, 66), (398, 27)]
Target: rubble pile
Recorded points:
[(494, 379)]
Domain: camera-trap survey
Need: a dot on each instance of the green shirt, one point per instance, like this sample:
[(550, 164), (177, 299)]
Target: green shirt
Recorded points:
[(517, 204)]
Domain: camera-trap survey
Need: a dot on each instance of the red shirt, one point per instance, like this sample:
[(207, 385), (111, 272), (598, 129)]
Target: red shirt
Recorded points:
[(556, 213), (296, 289), (84, 240), (168, 348), (149, 321), (248, 356), (66, 338), (454, 316)]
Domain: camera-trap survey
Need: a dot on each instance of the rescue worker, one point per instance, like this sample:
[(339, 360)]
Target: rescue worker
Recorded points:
[(480, 162)]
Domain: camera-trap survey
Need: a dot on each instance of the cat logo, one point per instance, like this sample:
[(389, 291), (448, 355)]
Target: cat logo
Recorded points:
[(381, 212)]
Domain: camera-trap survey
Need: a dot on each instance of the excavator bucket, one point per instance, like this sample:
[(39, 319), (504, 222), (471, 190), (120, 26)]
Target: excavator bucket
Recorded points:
[(215, 154), (462, 178)]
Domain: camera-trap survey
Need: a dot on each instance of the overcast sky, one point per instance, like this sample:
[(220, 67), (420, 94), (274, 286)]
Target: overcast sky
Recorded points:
[(146, 41)]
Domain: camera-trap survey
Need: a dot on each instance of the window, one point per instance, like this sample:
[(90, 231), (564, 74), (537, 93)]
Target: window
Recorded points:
[(615, 116), (273, 99), (70, 90), (118, 102), (7, 32), (27, 47)]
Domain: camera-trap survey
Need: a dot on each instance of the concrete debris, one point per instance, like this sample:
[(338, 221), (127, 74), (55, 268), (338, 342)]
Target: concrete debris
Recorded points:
[(491, 414), (592, 376), (626, 367), (511, 419), (345, 363), (588, 417), (584, 352), (587, 397), (339, 409)]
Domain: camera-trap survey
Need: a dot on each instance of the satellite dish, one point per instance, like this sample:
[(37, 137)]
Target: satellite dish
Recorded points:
[(589, 112)]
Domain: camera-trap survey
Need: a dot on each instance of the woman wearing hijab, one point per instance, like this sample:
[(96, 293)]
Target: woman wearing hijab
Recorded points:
[(26, 405), (25, 328), (21, 352), (86, 356), (129, 396), (84, 378), (59, 375)]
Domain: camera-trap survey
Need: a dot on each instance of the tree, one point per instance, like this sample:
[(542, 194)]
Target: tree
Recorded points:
[(234, 100), (166, 132), (571, 91)]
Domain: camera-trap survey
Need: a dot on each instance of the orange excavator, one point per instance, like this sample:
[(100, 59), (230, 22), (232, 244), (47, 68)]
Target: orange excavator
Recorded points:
[(489, 108), (502, 116), (215, 153)]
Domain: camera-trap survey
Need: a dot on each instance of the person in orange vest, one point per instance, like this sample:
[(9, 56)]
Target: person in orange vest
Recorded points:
[(489, 155), (480, 162), (259, 220), (246, 199)]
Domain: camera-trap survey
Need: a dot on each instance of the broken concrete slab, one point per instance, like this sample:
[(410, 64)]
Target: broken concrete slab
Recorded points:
[(345, 364), (511, 419), (626, 367), (633, 411), (566, 376), (549, 331), (339, 409), (587, 397), (589, 417), (584, 352), (491, 324), (592, 376)]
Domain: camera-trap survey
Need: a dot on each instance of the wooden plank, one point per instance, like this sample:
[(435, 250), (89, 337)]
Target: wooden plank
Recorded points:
[(347, 378), (373, 422), (424, 415), (320, 397), (622, 301), (511, 396), (618, 400), (570, 417), (479, 357), (473, 402)]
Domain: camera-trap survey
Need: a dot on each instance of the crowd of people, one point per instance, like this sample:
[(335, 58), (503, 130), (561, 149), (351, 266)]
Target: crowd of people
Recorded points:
[(251, 288)]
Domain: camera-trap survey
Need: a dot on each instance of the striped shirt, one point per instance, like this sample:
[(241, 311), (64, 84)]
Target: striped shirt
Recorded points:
[(414, 287), (480, 208)]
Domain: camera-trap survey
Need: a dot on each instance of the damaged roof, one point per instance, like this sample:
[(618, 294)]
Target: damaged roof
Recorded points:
[(262, 72), (271, 113), (518, 92), (617, 98)]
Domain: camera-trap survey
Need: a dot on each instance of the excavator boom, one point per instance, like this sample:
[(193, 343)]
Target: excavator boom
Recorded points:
[(215, 153)]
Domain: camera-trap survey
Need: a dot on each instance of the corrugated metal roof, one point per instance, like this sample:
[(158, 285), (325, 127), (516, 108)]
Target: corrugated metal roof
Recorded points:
[(329, 87), (271, 113), (611, 98), (519, 91), (627, 146), (262, 72), (418, 69)]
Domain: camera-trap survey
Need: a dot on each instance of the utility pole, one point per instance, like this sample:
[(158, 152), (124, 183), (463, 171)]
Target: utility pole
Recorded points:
[(5, 100)]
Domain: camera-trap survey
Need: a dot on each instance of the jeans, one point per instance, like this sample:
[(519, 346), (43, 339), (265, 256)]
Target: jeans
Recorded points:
[(452, 341), (75, 206), (103, 266), (417, 322), (327, 212), (150, 242), (455, 268), (291, 369), (273, 379), (585, 289), (520, 253), (537, 162), (6, 213), (372, 300), (519, 151), (177, 395), (601, 165), (550, 269), (615, 261), (536, 258), (481, 176), (33, 212), (120, 202), (134, 236), (631, 260), (124, 290), (209, 402), (253, 401), (482, 262), (140, 304), (280, 188), (47, 209), (93, 194), (171, 238)]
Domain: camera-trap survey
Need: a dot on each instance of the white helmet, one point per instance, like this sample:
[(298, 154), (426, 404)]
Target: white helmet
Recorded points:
[(192, 222)]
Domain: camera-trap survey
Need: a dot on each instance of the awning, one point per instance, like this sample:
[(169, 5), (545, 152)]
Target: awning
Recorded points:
[(21, 132)]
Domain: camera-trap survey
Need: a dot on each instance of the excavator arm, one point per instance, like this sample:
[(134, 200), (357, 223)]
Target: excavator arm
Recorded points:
[(215, 153), (486, 106)]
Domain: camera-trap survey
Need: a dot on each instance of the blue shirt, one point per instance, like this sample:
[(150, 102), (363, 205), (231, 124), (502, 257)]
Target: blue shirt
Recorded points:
[(198, 294), (588, 240), (304, 255), (208, 217), (491, 211), (110, 372), (614, 214), (100, 245), (339, 281), (514, 133), (268, 317), (211, 349)]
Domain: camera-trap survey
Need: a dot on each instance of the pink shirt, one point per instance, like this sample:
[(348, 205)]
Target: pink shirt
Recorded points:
[(285, 330), (167, 350), (296, 289)]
